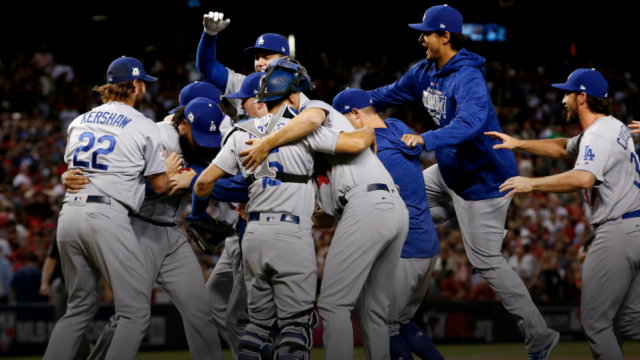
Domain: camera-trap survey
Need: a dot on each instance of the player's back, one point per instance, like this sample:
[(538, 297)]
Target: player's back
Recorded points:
[(348, 171), (116, 146), (268, 195), (606, 149)]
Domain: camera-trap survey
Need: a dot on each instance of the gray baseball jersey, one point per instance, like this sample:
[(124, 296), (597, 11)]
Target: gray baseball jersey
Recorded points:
[(607, 151), (116, 147), (234, 82), (347, 171), (270, 195)]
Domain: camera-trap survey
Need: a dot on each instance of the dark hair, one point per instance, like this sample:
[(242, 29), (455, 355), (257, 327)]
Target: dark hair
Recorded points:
[(178, 116), (456, 39), (600, 106)]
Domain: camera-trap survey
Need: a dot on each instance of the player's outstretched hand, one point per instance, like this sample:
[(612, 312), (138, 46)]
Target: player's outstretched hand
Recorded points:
[(255, 155), (181, 180), (73, 182), (412, 140), (516, 184), (508, 142), (174, 163), (635, 125), (213, 22)]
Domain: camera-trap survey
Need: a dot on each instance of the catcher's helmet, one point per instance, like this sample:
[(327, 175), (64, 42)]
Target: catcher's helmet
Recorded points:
[(283, 77)]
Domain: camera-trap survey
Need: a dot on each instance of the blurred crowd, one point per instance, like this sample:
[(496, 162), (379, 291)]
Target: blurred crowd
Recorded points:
[(41, 93)]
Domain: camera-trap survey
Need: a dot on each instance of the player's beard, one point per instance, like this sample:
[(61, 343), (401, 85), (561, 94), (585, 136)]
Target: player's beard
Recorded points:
[(138, 101), (572, 114)]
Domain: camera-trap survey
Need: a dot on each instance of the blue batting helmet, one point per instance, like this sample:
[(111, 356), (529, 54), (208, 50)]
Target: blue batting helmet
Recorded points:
[(283, 77)]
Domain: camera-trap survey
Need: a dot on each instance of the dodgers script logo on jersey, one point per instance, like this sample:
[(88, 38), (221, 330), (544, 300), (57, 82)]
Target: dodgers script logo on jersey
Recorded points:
[(436, 104)]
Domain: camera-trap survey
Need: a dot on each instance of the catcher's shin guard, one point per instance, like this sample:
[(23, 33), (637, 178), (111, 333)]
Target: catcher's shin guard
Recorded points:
[(297, 336), (253, 347)]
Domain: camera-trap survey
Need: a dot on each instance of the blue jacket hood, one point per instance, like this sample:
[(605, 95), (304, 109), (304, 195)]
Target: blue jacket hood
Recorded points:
[(395, 130), (462, 58)]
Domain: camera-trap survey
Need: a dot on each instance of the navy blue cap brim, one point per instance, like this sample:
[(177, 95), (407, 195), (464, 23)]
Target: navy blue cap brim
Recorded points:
[(207, 140), (255, 49), (565, 87), (149, 78), (421, 27), (239, 95)]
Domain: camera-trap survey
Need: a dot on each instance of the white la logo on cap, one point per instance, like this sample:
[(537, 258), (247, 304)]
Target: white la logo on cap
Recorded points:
[(346, 107), (261, 41), (283, 49), (136, 72), (582, 87), (442, 26), (213, 127), (191, 117), (371, 101), (255, 91)]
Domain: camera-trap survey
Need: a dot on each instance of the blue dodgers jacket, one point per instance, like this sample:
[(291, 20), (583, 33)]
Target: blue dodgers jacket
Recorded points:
[(457, 98), (403, 163)]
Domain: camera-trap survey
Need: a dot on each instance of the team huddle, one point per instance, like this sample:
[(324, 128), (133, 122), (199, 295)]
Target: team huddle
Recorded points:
[(274, 164)]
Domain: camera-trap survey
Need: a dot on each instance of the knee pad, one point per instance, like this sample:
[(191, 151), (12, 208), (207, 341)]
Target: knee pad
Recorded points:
[(297, 336), (253, 347)]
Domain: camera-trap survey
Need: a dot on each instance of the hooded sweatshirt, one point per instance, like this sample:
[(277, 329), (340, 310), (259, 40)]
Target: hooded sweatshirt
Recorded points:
[(457, 99), (403, 163)]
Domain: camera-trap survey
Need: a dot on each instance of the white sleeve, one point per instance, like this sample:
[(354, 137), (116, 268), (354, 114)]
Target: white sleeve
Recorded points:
[(323, 139), (593, 156), (572, 146), (226, 160), (154, 153)]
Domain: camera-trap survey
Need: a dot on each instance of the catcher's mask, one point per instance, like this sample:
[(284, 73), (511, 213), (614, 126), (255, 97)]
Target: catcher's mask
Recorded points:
[(283, 77)]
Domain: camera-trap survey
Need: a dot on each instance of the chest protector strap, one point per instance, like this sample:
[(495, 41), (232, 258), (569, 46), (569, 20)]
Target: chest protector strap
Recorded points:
[(265, 171)]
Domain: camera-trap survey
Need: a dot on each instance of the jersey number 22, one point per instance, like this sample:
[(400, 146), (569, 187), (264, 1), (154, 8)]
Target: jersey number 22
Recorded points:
[(89, 146)]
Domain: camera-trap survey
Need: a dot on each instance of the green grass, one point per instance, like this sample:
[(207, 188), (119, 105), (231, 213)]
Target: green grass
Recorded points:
[(471, 351)]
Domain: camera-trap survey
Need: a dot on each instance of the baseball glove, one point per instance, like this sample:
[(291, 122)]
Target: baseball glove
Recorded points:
[(208, 232)]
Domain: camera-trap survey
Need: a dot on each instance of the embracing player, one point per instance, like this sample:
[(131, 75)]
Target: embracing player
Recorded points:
[(116, 146), (607, 176), (278, 250), (450, 84)]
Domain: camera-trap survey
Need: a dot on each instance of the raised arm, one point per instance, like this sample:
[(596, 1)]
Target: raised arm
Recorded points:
[(206, 63), (398, 93), (554, 148)]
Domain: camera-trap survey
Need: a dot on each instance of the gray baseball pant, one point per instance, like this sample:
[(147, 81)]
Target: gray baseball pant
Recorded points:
[(610, 303), (170, 261), (361, 263), (97, 240), (409, 288), (280, 273), (482, 226), (228, 295)]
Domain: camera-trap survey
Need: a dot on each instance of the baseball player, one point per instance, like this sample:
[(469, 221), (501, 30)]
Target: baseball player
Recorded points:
[(607, 175), (116, 147), (366, 247), (170, 259), (278, 250), (268, 47), (420, 250), (226, 287), (450, 84)]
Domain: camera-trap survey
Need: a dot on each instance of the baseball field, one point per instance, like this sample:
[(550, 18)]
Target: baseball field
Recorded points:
[(564, 351)]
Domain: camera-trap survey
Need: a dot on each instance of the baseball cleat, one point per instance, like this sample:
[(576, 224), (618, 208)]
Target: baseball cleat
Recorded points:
[(545, 353)]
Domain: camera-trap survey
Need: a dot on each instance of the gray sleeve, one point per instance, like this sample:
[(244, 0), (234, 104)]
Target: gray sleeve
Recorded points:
[(234, 82), (594, 155), (169, 137), (572, 146), (323, 139), (154, 153), (226, 160)]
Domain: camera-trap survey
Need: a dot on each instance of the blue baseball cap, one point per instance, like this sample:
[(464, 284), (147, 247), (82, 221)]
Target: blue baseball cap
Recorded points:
[(127, 69), (196, 90), (271, 42), (250, 87), (440, 18), (350, 99), (205, 118), (588, 81)]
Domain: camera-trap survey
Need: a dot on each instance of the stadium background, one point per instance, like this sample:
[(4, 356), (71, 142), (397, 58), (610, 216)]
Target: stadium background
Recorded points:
[(53, 53)]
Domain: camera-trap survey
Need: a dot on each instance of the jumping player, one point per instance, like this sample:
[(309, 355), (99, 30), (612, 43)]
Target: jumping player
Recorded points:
[(606, 175), (420, 250), (450, 85), (116, 146)]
